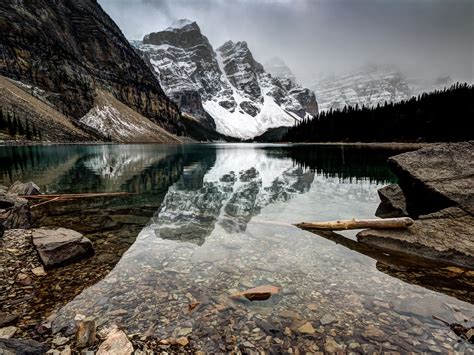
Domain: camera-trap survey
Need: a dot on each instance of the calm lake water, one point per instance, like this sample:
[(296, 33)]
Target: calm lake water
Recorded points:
[(217, 219)]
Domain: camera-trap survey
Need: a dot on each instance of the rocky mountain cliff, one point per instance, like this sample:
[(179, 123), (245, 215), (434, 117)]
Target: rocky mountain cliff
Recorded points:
[(72, 50), (227, 88)]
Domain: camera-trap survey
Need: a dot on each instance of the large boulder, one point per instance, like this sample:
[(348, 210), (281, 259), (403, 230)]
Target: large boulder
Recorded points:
[(61, 246), (445, 235), (437, 177), (393, 202), (24, 188)]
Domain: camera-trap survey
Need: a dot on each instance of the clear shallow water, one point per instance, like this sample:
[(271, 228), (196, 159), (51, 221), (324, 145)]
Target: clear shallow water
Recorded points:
[(223, 224)]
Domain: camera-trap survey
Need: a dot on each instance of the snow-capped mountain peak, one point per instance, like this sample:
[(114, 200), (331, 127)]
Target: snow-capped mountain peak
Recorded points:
[(227, 89)]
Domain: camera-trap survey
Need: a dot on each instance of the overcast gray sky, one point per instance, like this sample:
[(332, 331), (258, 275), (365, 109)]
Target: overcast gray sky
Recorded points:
[(423, 38)]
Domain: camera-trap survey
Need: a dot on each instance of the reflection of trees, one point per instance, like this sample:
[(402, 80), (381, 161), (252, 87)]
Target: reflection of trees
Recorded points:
[(344, 162)]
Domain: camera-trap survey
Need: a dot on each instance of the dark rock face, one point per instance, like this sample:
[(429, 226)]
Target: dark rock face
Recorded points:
[(71, 48), (237, 56), (56, 247), (437, 177), (393, 203)]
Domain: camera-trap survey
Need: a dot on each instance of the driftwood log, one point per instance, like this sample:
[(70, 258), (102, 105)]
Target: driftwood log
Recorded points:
[(387, 223)]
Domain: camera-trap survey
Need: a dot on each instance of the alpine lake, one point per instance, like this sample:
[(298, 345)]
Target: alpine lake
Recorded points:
[(204, 221)]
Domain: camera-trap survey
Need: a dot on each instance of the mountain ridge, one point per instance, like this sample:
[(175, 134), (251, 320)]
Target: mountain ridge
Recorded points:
[(224, 88)]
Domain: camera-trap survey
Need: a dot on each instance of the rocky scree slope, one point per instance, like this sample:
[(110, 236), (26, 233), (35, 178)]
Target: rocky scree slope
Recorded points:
[(70, 49), (227, 88)]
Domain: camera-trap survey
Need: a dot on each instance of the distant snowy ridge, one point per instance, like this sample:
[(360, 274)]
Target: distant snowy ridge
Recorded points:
[(370, 86), (226, 90)]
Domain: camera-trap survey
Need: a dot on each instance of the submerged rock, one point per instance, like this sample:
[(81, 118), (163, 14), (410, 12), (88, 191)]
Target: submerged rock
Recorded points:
[(259, 293), (445, 235), (24, 188), (56, 247), (437, 177), (21, 347), (393, 202)]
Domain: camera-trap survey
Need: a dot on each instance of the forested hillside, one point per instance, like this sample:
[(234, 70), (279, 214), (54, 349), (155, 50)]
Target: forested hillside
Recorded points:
[(444, 115)]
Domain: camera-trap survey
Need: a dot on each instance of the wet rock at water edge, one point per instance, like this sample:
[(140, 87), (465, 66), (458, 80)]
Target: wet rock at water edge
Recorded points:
[(393, 202), (60, 246), (21, 346), (437, 177), (26, 189), (117, 343)]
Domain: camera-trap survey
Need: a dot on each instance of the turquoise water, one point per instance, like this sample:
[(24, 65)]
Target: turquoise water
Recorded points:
[(223, 223)]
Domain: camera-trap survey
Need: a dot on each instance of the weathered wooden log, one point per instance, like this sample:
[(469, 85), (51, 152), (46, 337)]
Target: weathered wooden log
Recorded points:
[(387, 223)]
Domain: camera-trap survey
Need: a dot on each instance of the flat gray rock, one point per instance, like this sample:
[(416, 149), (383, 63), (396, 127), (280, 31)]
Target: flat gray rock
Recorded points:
[(60, 246), (446, 235), (392, 202), (437, 177)]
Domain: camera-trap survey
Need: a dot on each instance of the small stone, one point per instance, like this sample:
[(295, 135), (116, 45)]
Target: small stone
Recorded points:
[(259, 293), (7, 319), (60, 341), (354, 345), (180, 332), (331, 345), (306, 328), (8, 332), (183, 341), (312, 306), (38, 271), (86, 333), (455, 269), (67, 350), (117, 343), (327, 319), (248, 344), (373, 332), (24, 279)]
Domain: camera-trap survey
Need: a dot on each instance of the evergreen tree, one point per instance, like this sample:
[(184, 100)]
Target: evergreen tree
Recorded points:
[(445, 115)]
